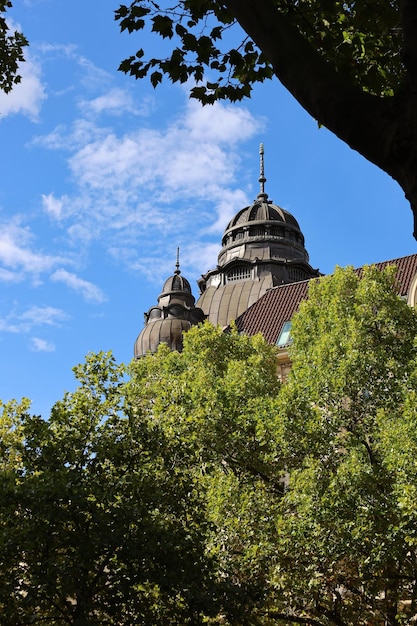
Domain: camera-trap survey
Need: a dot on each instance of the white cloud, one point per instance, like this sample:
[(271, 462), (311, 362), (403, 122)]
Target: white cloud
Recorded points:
[(230, 201), (78, 233), (43, 315), (225, 124), (32, 3), (200, 255), (140, 175), (90, 292), (108, 162), (41, 345), (33, 317), (68, 51), (6, 276), (27, 96), (53, 205), (194, 156), (117, 102), (93, 77), (134, 190), (15, 252), (62, 137)]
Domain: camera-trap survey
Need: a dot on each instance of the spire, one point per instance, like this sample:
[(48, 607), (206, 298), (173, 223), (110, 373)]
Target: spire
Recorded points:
[(177, 264), (262, 179)]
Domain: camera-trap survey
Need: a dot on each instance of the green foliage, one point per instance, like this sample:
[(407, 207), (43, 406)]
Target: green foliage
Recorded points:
[(200, 490), (97, 526), (11, 436), (345, 519), (312, 522), (210, 396), (216, 402), (364, 331), (195, 29), (11, 51), (362, 40)]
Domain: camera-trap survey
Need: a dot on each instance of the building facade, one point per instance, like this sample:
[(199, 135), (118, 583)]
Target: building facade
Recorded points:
[(262, 247), (262, 275)]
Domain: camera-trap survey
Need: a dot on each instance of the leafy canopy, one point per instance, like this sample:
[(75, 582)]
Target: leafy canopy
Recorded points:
[(312, 521), (345, 520), (97, 524), (360, 39)]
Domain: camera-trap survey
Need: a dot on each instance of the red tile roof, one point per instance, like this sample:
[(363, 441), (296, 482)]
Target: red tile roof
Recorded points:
[(406, 270), (278, 305)]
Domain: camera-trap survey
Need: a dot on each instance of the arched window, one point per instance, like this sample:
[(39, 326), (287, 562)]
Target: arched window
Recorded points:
[(238, 273), (296, 274)]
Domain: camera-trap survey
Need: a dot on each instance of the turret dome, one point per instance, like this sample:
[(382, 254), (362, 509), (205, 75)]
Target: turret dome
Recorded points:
[(176, 283), (262, 210), (174, 314), (263, 223)]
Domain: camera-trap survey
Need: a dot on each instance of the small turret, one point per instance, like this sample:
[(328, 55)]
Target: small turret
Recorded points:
[(174, 314)]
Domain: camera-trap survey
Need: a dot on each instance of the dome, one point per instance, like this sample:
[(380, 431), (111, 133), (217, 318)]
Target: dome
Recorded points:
[(263, 221), (262, 210), (176, 283), (165, 330), (262, 230), (174, 314)]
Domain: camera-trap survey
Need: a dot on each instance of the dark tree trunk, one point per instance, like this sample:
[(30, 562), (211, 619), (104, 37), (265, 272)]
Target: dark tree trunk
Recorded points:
[(383, 130)]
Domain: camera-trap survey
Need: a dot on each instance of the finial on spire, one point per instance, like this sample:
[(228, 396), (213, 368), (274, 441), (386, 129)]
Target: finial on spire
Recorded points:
[(262, 179), (177, 264)]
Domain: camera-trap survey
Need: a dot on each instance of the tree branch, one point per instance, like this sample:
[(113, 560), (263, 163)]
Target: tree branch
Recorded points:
[(382, 129), (354, 116)]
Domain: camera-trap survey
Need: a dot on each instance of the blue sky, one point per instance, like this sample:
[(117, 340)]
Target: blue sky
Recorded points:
[(102, 177)]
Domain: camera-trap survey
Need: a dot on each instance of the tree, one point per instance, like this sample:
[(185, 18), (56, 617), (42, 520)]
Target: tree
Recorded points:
[(310, 488), (98, 525), (351, 65), (217, 400), (11, 51), (349, 548)]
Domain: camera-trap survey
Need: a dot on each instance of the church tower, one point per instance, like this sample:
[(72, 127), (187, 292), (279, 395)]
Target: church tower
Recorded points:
[(262, 247)]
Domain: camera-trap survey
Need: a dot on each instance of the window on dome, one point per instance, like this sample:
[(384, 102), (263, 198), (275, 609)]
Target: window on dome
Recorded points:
[(296, 274), (238, 273), (285, 336), (257, 231), (175, 310)]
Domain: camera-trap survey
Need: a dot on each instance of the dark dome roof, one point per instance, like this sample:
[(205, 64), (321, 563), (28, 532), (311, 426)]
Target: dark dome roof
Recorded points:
[(262, 210), (164, 330), (263, 223), (176, 283)]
